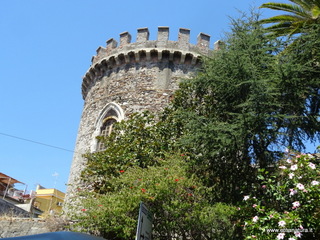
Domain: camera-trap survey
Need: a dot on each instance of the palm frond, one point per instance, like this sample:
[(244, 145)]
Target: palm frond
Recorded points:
[(305, 4), (287, 8), (280, 29), (282, 18), (296, 28), (300, 14)]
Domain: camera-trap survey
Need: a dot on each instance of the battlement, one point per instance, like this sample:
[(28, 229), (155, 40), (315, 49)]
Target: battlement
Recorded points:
[(142, 41), (145, 50)]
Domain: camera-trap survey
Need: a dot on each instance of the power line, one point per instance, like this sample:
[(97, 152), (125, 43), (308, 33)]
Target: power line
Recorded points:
[(40, 143)]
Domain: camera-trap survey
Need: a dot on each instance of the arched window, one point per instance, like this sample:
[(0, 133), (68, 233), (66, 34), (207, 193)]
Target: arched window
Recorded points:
[(107, 126), (111, 113), (105, 131)]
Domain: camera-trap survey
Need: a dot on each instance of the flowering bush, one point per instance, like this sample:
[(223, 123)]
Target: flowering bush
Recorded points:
[(286, 204), (176, 198)]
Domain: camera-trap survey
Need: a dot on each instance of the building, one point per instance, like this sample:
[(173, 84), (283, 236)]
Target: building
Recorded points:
[(14, 201), (49, 201), (9, 191), (129, 78)]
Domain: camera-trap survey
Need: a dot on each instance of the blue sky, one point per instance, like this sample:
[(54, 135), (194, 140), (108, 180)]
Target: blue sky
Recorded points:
[(46, 48)]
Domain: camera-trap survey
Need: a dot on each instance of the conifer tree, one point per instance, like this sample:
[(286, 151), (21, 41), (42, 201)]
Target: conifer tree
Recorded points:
[(246, 105)]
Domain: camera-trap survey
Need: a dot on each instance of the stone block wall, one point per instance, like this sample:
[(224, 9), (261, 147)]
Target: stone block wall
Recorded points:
[(10, 209), (16, 228)]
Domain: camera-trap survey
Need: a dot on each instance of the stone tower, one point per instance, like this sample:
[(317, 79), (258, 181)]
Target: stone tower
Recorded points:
[(129, 78)]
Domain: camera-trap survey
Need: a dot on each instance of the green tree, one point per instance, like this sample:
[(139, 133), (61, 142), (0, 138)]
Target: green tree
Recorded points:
[(246, 104), (299, 83), (229, 110), (299, 16), (139, 141)]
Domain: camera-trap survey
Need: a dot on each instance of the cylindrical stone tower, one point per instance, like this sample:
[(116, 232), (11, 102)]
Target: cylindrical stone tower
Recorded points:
[(129, 78)]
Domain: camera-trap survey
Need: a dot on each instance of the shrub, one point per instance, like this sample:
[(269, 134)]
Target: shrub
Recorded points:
[(175, 197), (286, 204)]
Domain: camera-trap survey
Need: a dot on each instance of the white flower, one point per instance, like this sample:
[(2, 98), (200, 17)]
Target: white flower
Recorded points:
[(292, 192), (246, 198), (280, 236), (314, 183), (296, 204), (297, 234), (288, 161), (312, 166), (282, 223), (300, 186), (294, 167), (283, 167), (291, 175), (255, 218)]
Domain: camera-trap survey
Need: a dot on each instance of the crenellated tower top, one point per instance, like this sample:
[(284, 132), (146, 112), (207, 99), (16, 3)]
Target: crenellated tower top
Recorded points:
[(126, 52)]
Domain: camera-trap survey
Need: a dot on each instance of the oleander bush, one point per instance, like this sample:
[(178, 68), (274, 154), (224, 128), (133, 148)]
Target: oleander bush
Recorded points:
[(175, 197), (285, 203)]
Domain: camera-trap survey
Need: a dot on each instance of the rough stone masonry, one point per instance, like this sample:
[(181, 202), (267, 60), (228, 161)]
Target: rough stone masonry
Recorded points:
[(22, 227)]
